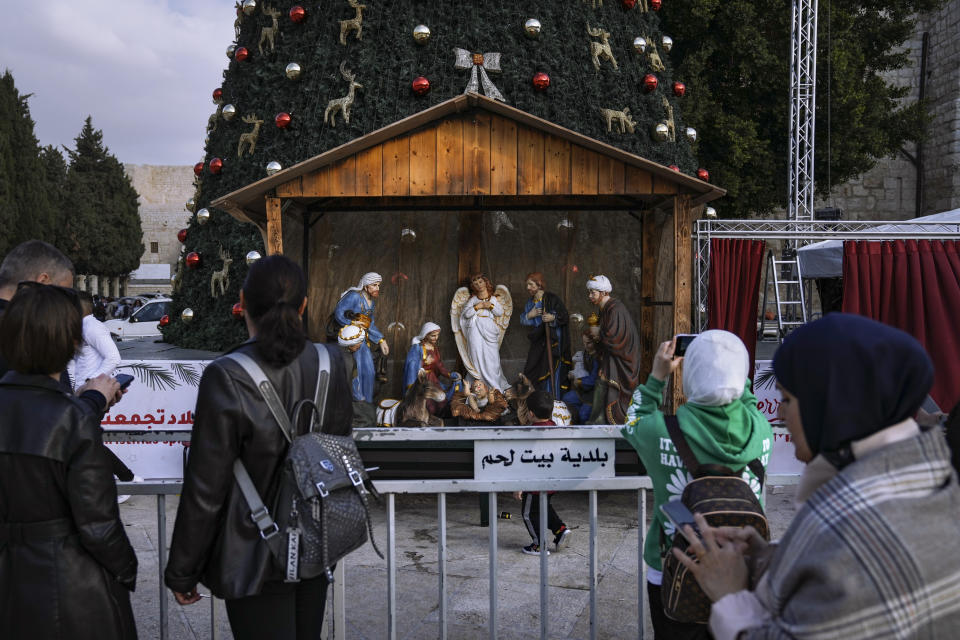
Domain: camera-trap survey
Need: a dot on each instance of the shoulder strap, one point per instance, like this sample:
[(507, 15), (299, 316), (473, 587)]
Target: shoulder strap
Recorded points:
[(683, 449), (323, 381), (757, 467), (266, 390)]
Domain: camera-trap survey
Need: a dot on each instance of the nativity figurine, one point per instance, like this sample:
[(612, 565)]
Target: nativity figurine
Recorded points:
[(546, 317), (357, 306), (424, 354), (618, 348), (479, 317), (478, 404)]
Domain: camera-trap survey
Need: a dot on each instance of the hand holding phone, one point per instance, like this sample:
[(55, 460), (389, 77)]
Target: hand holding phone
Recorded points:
[(124, 379), (681, 517), (683, 342)]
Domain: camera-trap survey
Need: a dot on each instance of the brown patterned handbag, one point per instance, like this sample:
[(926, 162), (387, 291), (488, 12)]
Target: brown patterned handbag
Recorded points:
[(725, 499)]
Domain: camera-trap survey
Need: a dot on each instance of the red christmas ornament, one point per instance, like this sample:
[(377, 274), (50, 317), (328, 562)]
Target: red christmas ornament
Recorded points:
[(421, 86), (241, 54), (541, 81), (282, 120), (182, 235), (217, 94), (298, 14), (703, 174), (679, 89), (674, 167), (628, 4), (198, 169), (164, 321), (237, 310), (655, 4), (193, 260), (216, 166), (650, 82)]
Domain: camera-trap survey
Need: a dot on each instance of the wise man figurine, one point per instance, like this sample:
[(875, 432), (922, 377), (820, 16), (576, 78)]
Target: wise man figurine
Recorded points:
[(618, 348), (546, 317), (351, 338), (357, 306)]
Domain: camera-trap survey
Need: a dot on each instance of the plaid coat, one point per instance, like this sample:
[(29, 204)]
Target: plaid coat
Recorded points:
[(873, 553)]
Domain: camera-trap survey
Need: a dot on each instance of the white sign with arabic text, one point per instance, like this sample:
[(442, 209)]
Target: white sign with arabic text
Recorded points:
[(542, 459)]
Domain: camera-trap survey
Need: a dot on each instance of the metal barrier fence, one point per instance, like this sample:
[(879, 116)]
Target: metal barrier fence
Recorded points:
[(441, 488)]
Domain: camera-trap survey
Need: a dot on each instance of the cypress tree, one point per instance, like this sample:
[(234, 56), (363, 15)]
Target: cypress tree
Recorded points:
[(26, 208), (101, 214), (385, 60)]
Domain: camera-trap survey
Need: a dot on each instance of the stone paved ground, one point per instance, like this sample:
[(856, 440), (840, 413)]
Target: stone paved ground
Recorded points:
[(467, 569)]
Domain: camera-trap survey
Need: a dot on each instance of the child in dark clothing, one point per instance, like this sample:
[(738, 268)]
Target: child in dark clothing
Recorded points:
[(540, 404)]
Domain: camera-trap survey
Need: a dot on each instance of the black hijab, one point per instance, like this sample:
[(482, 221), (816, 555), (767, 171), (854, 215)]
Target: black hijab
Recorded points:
[(852, 377)]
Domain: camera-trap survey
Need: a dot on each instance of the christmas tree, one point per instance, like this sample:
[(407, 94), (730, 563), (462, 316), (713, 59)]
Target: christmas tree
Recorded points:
[(303, 79)]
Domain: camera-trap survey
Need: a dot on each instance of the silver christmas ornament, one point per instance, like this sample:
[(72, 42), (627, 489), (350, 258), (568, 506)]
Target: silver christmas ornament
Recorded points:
[(253, 256), (661, 132), (228, 112), (187, 315), (565, 225), (691, 134), (640, 44), (667, 43), (421, 34), (532, 28), (293, 71), (272, 167), (190, 205), (710, 212), (203, 216), (249, 6), (230, 50), (408, 235)]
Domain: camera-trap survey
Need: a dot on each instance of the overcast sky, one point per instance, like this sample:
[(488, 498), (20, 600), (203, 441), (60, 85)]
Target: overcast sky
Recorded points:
[(143, 69)]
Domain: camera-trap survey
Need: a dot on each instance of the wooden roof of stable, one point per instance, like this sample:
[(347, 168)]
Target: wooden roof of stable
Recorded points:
[(470, 152)]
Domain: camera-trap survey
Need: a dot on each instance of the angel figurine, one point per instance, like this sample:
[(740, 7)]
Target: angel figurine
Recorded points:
[(479, 317)]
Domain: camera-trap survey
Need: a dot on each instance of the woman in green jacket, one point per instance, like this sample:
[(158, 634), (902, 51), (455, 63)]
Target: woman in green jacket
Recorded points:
[(722, 425)]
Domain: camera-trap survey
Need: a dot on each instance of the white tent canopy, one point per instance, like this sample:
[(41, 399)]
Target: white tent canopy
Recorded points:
[(825, 259)]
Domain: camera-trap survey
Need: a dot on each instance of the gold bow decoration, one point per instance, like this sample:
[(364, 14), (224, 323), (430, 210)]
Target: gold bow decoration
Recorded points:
[(479, 64)]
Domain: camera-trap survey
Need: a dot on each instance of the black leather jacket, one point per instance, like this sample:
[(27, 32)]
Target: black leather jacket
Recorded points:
[(66, 564), (214, 540)]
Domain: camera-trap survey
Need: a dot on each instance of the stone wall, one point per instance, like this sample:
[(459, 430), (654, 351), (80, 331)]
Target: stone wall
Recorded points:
[(889, 190), (163, 190)]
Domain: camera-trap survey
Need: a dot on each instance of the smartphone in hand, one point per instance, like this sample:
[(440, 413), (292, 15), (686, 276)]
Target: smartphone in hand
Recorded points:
[(124, 379), (683, 342), (678, 513)]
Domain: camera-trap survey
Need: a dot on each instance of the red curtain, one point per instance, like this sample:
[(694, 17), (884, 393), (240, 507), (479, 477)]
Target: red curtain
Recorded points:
[(913, 285), (735, 267)]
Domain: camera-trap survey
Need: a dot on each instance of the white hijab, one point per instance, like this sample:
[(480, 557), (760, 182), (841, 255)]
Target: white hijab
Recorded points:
[(715, 368), (368, 278), (429, 327)]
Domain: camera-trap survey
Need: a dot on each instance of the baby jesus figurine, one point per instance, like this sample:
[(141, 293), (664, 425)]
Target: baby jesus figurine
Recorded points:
[(478, 403)]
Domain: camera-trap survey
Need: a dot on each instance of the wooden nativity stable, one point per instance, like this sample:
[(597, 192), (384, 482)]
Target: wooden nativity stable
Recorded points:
[(474, 185)]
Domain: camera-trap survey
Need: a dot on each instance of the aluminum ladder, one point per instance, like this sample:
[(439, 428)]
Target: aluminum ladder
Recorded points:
[(788, 293)]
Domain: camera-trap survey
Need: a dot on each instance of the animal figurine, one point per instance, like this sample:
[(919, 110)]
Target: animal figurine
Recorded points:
[(412, 410), (625, 124), (268, 34), (343, 104), (250, 137), (220, 279), (521, 390), (600, 49), (354, 24)]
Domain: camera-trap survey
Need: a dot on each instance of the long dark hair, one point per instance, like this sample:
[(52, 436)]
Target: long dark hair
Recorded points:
[(272, 295)]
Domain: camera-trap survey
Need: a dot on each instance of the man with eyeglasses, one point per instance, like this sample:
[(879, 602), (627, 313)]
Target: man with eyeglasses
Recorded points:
[(36, 261)]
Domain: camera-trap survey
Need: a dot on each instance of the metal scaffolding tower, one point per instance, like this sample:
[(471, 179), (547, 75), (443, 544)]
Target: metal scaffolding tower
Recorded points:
[(803, 102)]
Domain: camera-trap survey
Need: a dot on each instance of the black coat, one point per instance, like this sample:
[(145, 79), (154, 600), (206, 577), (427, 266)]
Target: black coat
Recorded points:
[(214, 540), (66, 565)]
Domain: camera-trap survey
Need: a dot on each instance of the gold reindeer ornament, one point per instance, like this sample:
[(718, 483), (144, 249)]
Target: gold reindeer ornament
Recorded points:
[(268, 34), (220, 279), (354, 24), (249, 138), (600, 50), (342, 105), (625, 124)]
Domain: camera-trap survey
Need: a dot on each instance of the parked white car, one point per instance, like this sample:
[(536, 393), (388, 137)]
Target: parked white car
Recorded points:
[(143, 323)]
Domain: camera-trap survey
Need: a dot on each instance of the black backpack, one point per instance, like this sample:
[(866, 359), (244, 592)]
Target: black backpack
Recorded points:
[(321, 512), (722, 496)]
